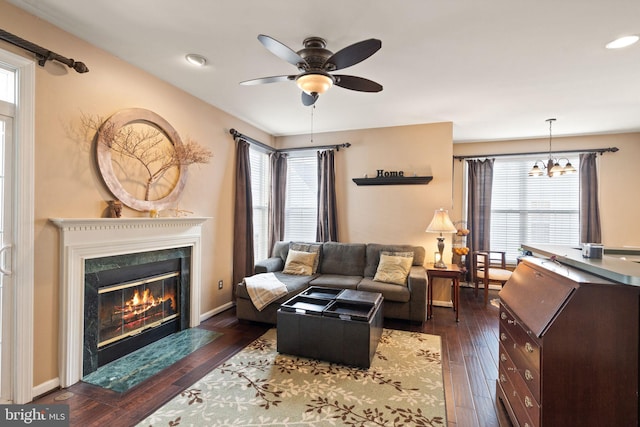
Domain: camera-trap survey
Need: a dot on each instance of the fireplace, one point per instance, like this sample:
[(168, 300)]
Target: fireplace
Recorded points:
[(133, 300), (104, 264)]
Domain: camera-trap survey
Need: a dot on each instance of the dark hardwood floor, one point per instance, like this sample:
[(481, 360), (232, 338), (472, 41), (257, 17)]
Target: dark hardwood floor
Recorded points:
[(469, 359)]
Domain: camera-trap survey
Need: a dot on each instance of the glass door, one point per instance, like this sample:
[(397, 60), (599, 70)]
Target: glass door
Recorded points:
[(7, 111)]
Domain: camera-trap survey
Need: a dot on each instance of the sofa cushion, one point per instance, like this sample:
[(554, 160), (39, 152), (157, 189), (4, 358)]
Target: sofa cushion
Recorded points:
[(299, 262), (336, 281), (389, 291), (373, 255), (394, 268), (295, 284), (343, 258), (281, 249), (309, 247)]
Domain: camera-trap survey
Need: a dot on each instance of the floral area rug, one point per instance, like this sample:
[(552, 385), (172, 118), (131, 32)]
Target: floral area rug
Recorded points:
[(260, 387)]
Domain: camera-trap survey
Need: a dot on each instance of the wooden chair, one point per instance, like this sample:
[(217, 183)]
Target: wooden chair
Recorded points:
[(489, 267)]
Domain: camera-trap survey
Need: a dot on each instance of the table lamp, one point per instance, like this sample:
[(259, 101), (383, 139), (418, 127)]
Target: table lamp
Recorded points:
[(441, 224)]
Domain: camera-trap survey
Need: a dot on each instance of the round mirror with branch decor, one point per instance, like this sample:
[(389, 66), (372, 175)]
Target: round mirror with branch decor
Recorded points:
[(143, 161)]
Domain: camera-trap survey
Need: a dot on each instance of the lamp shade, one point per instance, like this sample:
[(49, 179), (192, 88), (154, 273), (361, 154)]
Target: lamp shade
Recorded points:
[(441, 223), (314, 82)]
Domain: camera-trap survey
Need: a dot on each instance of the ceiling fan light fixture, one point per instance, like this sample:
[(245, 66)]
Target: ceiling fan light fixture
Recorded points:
[(314, 83), (621, 42), (195, 59)]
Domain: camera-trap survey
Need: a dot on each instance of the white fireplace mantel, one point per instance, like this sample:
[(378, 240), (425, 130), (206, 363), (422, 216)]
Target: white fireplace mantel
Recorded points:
[(88, 238)]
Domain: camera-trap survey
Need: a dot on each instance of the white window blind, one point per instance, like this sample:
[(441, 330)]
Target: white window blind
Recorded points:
[(528, 209), (301, 204), (260, 198)]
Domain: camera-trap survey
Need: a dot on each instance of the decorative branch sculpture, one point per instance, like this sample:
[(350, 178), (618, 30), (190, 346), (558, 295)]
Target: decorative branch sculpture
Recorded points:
[(147, 146)]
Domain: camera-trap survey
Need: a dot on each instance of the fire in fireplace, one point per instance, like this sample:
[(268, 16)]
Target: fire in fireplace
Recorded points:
[(130, 308)]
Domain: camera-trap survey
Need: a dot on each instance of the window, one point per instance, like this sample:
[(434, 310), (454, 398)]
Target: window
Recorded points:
[(301, 205), (528, 209), (7, 85), (260, 198)]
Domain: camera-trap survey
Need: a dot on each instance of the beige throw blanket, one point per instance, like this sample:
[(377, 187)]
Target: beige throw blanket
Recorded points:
[(264, 288)]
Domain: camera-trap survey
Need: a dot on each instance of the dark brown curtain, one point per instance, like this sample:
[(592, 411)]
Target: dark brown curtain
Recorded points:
[(327, 230), (278, 195), (479, 204), (243, 225), (590, 231)]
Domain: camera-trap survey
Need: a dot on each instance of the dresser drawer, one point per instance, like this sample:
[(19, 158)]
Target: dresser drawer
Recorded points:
[(522, 403), (524, 350), (525, 368)]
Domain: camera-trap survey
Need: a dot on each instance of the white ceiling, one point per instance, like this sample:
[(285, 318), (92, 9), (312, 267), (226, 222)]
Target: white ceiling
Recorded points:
[(497, 69)]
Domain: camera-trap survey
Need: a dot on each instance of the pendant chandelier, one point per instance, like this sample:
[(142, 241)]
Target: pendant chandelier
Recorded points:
[(552, 166)]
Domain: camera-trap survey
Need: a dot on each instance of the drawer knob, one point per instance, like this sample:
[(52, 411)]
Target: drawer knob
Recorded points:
[(503, 379), (503, 315), (527, 402), (503, 336), (528, 347), (512, 322), (528, 375), (503, 358)]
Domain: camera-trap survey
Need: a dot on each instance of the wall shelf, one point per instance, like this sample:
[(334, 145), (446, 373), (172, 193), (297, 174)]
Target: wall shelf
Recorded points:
[(395, 180)]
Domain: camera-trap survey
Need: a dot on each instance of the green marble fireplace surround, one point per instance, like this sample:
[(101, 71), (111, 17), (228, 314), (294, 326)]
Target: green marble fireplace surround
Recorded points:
[(128, 274)]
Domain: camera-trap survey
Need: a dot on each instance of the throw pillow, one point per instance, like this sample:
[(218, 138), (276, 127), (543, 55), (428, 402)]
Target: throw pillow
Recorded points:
[(299, 263), (393, 268), (309, 247), (402, 254)]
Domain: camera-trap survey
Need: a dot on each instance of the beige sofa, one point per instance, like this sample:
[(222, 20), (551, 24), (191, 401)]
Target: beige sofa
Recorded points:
[(344, 266)]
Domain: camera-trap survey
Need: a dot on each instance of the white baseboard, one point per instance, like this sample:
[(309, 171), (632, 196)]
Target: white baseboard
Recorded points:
[(217, 310), (45, 387)]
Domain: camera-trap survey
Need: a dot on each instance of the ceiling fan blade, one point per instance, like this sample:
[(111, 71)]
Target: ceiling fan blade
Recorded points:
[(263, 80), (281, 51), (309, 100), (357, 83), (352, 54)]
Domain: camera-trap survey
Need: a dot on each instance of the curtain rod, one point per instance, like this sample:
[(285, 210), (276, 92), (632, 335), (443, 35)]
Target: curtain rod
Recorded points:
[(250, 140), (43, 55), (531, 153)]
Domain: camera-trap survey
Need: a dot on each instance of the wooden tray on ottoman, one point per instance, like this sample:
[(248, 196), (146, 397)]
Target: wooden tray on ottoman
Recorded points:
[(347, 331)]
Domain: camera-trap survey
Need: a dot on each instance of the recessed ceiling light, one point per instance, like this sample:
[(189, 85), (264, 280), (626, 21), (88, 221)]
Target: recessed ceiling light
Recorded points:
[(622, 42), (195, 59)]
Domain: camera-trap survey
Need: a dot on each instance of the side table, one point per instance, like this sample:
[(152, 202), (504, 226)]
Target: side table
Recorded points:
[(453, 273)]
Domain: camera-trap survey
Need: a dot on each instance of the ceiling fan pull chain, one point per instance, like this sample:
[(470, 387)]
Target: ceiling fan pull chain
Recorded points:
[(313, 107)]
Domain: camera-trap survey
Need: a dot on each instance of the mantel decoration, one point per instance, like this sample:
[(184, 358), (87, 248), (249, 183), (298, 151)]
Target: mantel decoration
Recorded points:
[(142, 159)]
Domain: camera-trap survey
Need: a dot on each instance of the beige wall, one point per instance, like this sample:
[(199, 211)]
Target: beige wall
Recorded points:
[(618, 175), (389, 213), (66, 181)]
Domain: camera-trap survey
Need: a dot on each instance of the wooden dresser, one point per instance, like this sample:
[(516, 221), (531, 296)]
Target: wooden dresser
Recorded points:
[(568, 347)]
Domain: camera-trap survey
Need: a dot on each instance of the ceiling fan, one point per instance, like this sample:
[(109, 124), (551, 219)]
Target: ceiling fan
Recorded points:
[(315, 64)]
